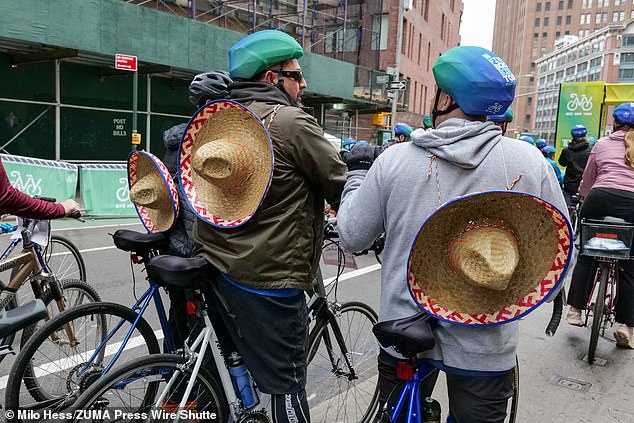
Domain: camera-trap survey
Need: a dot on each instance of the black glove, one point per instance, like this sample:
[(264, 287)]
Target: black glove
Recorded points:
[(362, 156)]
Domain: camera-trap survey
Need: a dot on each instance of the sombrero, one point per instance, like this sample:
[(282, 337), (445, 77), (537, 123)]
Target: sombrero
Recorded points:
[(225, 163), (152, 191), (489, 258)]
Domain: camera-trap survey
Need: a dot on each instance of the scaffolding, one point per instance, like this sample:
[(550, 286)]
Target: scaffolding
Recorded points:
[(347, 30)]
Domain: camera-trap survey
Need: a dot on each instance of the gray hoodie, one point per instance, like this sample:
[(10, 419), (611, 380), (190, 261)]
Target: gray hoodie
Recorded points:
[(406, 184)]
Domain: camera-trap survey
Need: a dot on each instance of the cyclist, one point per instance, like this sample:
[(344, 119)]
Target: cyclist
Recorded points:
[(608, 188), (462, 155), (266, 264), (574, 159), (502, 120), (17, 203), (203, 88), (541, 143), (427, 122), (528, 139), (592, 141), (348, 143), (549, 153), (402, 132)]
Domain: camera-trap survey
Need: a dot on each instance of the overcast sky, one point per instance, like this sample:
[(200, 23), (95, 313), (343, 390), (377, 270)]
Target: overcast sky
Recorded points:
[(476, 28)]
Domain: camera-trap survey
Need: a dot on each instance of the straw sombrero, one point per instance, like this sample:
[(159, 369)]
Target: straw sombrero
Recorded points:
[(489, 258), (152, 191), (225, 163)]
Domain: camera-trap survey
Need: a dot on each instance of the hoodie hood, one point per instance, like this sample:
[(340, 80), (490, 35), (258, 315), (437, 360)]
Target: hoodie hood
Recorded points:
[(245, 91), (172, 137), (578, 144), (462, 142)]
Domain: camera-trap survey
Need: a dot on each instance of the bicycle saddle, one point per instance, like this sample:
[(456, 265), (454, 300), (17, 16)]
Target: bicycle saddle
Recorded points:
[(408, 336), (179, 272), (21, 317), (138, 242)]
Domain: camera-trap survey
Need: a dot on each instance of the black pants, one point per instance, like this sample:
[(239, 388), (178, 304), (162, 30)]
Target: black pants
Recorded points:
[(472, 399), (599, 203)]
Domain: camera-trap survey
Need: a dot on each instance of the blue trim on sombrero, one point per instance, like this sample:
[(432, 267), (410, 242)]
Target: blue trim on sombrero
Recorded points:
[(164, 181), (530, 310), (180, 146)]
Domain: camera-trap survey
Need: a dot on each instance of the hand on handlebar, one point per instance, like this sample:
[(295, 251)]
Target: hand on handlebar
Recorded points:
[(71, 208)]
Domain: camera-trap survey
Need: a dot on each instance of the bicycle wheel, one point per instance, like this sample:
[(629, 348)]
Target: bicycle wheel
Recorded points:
[(136, 386), (597, 311), (52, 370), (335, 391), (76, 292)]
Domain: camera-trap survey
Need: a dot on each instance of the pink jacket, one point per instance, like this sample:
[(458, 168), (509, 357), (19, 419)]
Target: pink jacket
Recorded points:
[(14, 202), (606, 166)]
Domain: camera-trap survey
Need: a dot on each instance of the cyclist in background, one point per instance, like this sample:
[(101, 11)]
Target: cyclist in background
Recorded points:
[(574, 159), (608, 188), (265, 265), (17, 203), (549, 153), (528, 139), (541, 143), (462, 155), (502, 120), (204, 87), (592, 141), (402, 132)]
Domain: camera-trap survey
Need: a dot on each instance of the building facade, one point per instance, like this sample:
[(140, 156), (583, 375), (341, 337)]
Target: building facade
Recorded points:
[(605, 55), (527, 30)]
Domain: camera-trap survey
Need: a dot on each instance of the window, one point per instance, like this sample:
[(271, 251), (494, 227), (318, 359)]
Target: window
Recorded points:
[(618, 2), (559, 20), (561, 5), (626, 73), (536, 22), (569, 6), (627, 57), (597, 18), (546, 21), (536, 35), (379, 31), (547, 6), (544, 35), (582, 19), (567, 33), (628, 41), (442, 26), (568, 20), (428, 54), (426, 9), (529, 101), (557, 35), (404, 43), (632, 14), (420, 46), (539, 7)]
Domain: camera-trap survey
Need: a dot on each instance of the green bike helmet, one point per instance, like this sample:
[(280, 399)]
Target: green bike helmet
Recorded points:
[(427, 122), (260, 50)]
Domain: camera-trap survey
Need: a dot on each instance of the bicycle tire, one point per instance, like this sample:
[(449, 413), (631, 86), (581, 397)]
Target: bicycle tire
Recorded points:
[(328, 388), (597, 311), (141, 370), (28, 357), (13, 303)]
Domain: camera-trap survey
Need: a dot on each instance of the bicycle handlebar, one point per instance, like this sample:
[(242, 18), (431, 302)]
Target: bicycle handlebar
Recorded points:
[(49, 199)]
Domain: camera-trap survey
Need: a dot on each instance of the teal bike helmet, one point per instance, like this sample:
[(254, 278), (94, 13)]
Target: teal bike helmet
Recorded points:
[(427, 122), (348, 143), (527, 139), (507, 116), (578, 131), (403, 129), (592, 140), (549, 149), (541, 143), (258, 51), (478, 80)]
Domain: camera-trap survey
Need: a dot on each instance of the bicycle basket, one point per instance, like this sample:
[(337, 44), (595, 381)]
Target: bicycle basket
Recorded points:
[(605, 239)]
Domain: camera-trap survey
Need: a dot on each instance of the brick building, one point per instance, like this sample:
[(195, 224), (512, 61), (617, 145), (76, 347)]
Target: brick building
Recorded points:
[(526, 30)]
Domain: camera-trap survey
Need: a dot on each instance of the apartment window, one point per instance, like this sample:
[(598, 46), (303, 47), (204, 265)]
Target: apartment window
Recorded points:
[(597, 18), (536, 22), (559, 20), (379, 31), (626, 73), (442, 27), (561, 5), (539, 7), (529, 101), (426, 9), (632, 14), (428, 54), (619, 2), (604, 17), (547, 6), (536, 35), (544, 35), (557, 35), (566, 32), (546, 21), (582, 19), (415, 96), (404, 43), (532, 66), (569, 6), (628, 41), (568, 20), (420, 47)]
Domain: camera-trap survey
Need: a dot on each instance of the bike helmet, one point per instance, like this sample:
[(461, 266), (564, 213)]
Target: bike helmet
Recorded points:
[(549, 149), (403, 129), (541, 143), (527, 139), (624, 113), (348, 143), (260, 50), (208, 85), (507, 116), (578, 131), (427, 122), (592, 140), (478, 80)]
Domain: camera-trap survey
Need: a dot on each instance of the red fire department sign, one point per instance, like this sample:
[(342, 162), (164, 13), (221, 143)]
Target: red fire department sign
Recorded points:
[(125, 62)]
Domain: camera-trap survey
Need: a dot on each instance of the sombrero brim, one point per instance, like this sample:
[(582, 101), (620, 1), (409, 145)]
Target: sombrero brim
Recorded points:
[(544, 238), (221, 208), (161, 218)]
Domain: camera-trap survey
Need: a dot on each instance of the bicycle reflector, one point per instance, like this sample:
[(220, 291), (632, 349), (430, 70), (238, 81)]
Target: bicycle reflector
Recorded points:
[(404, 371), (191, 308), (134, 258)]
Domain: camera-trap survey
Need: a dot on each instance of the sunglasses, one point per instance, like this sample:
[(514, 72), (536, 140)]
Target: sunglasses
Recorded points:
[(296, 75)]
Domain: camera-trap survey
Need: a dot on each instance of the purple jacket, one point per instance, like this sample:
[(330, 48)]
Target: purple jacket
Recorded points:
[(606, 166)]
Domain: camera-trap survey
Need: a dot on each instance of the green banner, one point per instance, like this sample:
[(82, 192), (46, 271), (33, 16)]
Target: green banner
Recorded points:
[(104, 190), (579, 104), (46, 178)]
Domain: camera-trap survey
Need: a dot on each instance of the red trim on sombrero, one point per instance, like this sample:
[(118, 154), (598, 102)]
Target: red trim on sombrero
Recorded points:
[(185, 163), (132, 177), (521, 306)]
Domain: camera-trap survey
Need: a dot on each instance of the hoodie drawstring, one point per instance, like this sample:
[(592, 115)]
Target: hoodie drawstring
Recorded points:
[(433, 159)]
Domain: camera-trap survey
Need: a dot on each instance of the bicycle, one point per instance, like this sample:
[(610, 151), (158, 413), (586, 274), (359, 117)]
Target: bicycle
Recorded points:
[(30, 265), (68, 353), (411, 336), (17, 319), (608, 240)]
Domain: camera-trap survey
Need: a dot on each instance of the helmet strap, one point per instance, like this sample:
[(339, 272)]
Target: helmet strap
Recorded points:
[(435, 112)]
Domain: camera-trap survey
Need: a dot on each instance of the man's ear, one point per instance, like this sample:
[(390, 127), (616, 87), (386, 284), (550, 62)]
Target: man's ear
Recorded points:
[(270, 77)]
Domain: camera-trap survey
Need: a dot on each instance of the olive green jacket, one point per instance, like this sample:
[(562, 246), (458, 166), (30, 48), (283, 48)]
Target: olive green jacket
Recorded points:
[(280, 246)]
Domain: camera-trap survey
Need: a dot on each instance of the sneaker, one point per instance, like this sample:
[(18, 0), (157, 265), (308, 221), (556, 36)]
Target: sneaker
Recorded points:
[(623, 336), (574, 318)]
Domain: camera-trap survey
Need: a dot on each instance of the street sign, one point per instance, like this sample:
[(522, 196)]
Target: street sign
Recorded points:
[(390, 71), (125, 62), (396, 85), (382, 79)]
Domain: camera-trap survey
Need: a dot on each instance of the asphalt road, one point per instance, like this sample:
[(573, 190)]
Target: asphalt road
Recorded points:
[(556, 385)]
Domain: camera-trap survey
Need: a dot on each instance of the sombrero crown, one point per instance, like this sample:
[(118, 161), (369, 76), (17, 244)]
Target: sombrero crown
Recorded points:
[(475, 261)]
